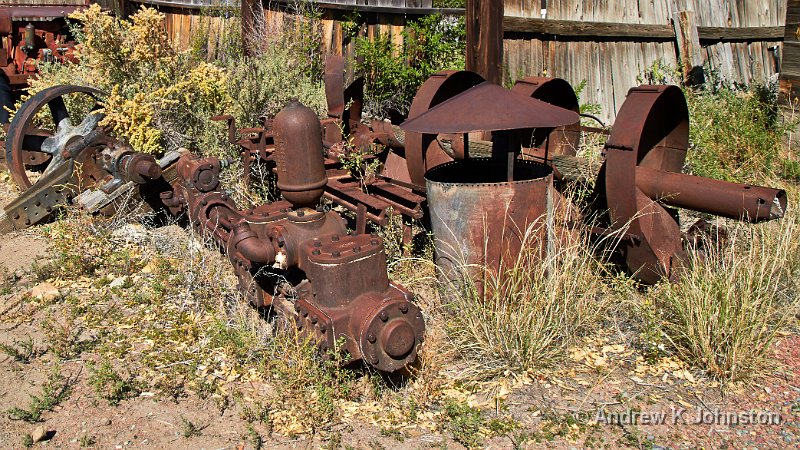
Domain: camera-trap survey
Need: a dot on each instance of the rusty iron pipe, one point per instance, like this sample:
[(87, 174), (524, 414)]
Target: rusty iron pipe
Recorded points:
[(247, 242), (721, 198)]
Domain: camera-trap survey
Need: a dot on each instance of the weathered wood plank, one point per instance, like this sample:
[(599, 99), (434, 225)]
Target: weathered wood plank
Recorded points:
[(574, 28)]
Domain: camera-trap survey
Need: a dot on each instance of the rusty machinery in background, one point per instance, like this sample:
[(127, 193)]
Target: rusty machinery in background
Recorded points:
[(31, 32), (639, 183), (289, 255)]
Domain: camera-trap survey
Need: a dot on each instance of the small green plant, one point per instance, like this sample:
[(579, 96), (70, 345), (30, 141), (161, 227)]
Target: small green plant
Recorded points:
[(254, 437), (109, 385), (27, 441), (63, 336), (87, 441), (464, 423), (363, 165), (21, 351), (56, 390), (189, 429)]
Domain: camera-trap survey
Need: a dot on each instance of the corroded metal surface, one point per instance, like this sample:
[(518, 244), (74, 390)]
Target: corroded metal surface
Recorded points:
[(500, 109), (562, 140), (484, 224), (423, 151)]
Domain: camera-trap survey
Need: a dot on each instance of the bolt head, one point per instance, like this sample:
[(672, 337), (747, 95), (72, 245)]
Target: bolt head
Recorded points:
[(404, 308), (315, 252), (371, 338), (384, 317)]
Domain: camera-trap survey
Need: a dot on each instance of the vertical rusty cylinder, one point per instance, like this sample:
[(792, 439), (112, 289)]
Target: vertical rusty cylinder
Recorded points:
[(484, 223), (298, 152)]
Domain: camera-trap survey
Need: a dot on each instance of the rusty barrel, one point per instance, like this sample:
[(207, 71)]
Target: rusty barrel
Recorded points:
[(484, 225)]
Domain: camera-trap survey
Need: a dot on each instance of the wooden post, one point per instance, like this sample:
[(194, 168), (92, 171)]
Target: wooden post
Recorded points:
[(689, 50), (248, 26), (485, 38)]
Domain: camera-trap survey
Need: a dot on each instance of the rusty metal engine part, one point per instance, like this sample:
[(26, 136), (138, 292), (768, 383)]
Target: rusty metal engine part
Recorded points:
[(484, 225), (641, 178), (31, 144), (30, 34), (79, 163), (298, 135), (507, 115), (563, 140), (644, 157), (287, 254), (423, 151), (300, 260)]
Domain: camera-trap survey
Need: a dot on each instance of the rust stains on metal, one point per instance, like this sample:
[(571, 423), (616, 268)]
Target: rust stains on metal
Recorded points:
[(483, 223), (500, 109)]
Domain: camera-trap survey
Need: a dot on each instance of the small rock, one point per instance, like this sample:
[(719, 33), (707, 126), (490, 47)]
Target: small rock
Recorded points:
[(104, 422), (45, 292), (149, 268), (118, 282), (40, 434)]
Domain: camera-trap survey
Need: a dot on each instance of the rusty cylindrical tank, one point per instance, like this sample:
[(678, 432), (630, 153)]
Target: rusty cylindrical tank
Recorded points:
[(298, 154), (484, 224)]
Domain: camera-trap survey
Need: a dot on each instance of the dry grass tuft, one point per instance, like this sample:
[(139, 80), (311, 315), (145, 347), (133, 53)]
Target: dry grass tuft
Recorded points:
[(725, 311), (532, 313)]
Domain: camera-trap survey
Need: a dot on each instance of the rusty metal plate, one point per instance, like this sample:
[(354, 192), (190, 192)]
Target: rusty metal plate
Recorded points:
[(489, 107)]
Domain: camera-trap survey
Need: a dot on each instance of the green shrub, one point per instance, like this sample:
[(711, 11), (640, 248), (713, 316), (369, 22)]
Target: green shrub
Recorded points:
[(735, 133), (393, 74)]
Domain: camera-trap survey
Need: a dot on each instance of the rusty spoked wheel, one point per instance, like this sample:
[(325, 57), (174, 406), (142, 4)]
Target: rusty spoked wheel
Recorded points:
[(422, 151), (562, 140), (652, 131), (37, 137)]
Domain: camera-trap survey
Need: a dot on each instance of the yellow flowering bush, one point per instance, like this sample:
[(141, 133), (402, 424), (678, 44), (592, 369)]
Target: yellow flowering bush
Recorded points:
[(159, 98)]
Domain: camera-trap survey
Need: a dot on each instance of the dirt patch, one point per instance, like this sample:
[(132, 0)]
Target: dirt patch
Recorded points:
[(19, 250)]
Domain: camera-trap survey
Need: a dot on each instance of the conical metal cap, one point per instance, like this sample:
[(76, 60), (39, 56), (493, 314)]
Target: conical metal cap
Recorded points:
[(489, 107)]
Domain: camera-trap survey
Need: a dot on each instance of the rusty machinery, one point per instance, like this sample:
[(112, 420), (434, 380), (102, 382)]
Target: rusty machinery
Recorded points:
[(289, 255), (31, 32), (638, 185)]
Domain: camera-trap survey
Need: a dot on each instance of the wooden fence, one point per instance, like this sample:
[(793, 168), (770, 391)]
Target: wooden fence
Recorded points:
[(609, 44), (613, 44)]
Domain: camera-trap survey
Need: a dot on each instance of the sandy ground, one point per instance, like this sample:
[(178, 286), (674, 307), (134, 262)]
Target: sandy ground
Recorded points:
[(598, 400)]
